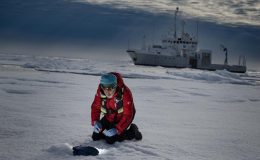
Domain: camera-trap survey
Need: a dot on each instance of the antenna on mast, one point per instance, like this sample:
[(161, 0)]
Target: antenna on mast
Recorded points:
[(197, 33), (183, 25), (175, 15)]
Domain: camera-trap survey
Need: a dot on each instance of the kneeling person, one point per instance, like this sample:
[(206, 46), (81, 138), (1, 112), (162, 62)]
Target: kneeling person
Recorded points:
[(113, 111)]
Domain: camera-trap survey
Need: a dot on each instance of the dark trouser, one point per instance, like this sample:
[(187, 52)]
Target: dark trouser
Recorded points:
[(107, 125)]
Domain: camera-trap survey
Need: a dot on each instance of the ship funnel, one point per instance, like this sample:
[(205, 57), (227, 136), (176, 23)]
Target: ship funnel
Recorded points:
[(226, 53)]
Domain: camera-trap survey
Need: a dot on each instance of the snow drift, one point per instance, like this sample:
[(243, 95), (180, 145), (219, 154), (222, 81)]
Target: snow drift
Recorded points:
[(182, 113)]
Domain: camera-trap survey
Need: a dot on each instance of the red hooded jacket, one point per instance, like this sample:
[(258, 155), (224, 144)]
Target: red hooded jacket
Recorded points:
[(121, 120)]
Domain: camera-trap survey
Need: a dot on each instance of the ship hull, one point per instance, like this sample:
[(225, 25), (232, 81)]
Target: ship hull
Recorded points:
[(142, 58), (230, 68)]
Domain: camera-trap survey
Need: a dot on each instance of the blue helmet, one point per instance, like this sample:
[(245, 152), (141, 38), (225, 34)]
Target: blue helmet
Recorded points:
[(108, 80)]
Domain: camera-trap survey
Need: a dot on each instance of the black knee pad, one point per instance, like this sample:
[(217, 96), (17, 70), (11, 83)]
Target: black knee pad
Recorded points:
[(111, 140), (121, 137)]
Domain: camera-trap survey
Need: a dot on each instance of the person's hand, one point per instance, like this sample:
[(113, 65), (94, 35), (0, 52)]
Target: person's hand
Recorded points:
[(97, 127), (110, 133)]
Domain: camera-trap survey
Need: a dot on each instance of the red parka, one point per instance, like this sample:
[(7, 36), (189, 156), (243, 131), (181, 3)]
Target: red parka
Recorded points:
[(121, 120)]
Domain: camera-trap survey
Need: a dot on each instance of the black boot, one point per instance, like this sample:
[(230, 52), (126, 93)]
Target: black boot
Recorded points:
[(97, 136), (134, 133)]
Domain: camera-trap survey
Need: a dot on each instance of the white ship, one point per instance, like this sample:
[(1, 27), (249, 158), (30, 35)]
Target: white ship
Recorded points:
[(180, 52)]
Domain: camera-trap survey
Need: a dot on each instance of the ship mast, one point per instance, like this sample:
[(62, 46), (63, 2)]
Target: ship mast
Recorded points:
[(182, 32), (175, 15), (197, 32)]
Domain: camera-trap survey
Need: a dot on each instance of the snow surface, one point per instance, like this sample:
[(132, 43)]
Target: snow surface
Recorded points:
[(182, 113)]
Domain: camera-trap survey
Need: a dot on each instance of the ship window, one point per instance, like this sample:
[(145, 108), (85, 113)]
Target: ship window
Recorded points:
[(178, 42), (157, 46)]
